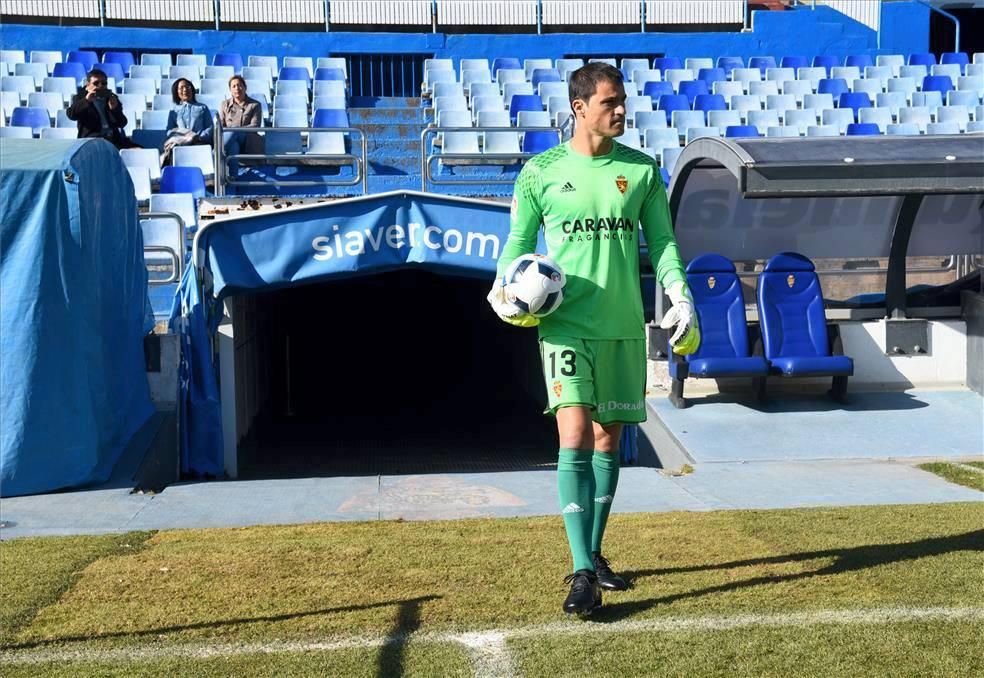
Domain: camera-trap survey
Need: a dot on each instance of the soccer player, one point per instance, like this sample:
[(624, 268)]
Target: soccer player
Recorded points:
[(590, 196)]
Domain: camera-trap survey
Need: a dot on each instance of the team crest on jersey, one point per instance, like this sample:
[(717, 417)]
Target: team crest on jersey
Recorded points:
[(711, 282), (790, 280), (558, 388), (622, 183)]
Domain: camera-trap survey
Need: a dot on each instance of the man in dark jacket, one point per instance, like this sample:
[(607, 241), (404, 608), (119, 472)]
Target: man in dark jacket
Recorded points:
[(98, 112)]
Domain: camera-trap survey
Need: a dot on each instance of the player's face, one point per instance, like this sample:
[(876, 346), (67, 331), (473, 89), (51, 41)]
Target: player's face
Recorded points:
[(604, 112)]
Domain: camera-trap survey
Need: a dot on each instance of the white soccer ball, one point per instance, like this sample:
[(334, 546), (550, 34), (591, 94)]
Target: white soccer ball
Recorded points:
[(535, 284)]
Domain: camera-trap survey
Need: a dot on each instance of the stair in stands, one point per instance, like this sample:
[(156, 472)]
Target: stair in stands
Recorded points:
[(392, 126)]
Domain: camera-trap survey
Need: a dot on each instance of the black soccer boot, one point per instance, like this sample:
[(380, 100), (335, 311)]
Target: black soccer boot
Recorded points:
[(606, 578), (585, 595)]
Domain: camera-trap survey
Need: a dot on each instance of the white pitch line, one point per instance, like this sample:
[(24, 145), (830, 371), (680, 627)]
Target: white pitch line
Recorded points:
[(488, 648)]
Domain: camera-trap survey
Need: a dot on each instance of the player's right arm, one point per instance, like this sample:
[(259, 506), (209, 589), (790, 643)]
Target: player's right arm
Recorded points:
[(525, 217), (524, 222)]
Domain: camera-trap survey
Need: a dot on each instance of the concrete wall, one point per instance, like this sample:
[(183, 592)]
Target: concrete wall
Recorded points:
[(803, 31), (973, 311)]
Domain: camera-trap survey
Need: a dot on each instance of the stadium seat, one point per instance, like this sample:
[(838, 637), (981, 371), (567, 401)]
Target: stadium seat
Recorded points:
[(763, 63), (745, 76), (235, 60), (156, 120), (144, 86), (956, 58), (893, 61), (47, 57), (50, 101), (794, 62), (459, 142), (957, 114), (780, 75), (663, 63), (818, 101), (812, 74), (839, 118), (65, 87), (295, 87), (530, 65), (328, 117), (214, 86), (641, 103), (727, 89), (114, 72), (975, 126), (863, 129), (780, 102), (58, 133), (880, 73), (917, 72), (550, 89), (832, 86), (672, 102), (862, 61), (948, 127), (684, 119), (650, 120), (143, 157), (541, 75), (71, 69), (800, 119), (566, 66), (826, 61), (146, 72), (976, 69), (336, 88), (695, 64), (533, 119), (478, 89), (631, 138), (711, 75), (882, 117), (62, 120), (903, 129), (36, 71), (201, 157), (763, 88), (675, 76), (854, 101), (330, 74), (33, 118), (11, 57), (473, 65), (783, 131), (666, 137), (937, 83), (183, 179), (920, 117), (870, 87), (199, 60), (797, 88), (140, 177), (795, 336), (952, 71), (893, 101), (629, 66), (162, 60), (494, 119), (123, 59), (723, 119), (824, 131), (182, 204), (763, 119), (729, 63), (501, 142), (725, 349), (692, 88), (523, 102), (539, 141), (643, 75), (740, 131), (968, 98), (693, 133), (926, 60), (16, 133), (333, 62), (298, 73), (510, 63), (745, 102), (475, 76), (188, 72), (654, 90)]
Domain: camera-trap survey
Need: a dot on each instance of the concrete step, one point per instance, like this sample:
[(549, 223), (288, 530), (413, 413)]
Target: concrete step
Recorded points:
[(389, 131), (384, 102), (385, 115), (392, 145)]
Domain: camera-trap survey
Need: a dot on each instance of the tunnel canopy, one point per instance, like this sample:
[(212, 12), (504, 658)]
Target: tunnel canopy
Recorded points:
[(836, 197)]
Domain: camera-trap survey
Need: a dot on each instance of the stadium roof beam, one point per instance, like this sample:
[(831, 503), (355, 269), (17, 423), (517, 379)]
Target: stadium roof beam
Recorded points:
[(832, 197)]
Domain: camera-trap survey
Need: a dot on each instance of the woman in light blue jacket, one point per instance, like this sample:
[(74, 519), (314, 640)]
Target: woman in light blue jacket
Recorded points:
[(189, 122)]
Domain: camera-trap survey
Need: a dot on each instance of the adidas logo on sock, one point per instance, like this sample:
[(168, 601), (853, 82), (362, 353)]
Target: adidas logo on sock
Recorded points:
[(573, 508), (607, 499), (568, 188)]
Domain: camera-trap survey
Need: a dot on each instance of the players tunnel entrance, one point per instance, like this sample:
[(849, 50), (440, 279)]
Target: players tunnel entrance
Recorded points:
[(400, 372)]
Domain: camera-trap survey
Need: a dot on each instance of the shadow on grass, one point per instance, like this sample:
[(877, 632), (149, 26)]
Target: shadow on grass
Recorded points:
[(396, 636), (845, 560), (389, 662)]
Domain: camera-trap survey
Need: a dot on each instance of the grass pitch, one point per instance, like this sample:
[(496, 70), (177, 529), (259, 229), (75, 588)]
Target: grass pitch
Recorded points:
[(719, 593), (958, 473)]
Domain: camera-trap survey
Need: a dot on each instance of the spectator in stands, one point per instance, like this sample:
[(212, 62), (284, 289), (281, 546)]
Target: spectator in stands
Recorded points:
[(189, 122), (240, 110), (98, 112)]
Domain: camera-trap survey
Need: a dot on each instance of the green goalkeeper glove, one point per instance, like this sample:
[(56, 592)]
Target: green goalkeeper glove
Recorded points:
[(506, 310)]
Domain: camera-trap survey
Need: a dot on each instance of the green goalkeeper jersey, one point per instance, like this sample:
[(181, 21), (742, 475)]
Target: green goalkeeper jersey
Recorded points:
[(590, 209)]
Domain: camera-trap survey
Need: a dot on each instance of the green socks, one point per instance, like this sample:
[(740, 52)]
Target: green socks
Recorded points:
[(605, 467), (576, 489)]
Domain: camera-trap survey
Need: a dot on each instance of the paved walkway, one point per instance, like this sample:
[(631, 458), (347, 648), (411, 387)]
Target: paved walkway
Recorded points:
[(812, 455)]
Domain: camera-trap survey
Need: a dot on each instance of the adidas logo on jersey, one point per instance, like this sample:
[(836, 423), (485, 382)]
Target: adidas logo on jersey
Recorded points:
[(567, 188), (607, 499), (573, 508)]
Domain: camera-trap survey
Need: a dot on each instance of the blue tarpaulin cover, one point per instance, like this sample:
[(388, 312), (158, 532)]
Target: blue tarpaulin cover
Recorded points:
[(73, 301)]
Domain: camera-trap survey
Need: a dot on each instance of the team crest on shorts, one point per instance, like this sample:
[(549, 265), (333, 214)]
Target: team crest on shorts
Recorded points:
[(711, 282), (558, 388), (622, 183), (791, 280)]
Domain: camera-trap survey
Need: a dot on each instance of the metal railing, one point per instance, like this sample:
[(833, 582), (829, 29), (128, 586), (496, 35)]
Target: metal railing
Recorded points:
[(359, 163), (473, 159), (955, 20), (178, 257)]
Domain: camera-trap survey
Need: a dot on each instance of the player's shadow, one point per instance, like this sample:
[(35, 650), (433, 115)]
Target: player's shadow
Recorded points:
[(845, 560)]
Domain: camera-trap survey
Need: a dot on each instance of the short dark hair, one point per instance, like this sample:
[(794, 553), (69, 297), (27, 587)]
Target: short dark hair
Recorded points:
[(96, 73), (239, 78), (174, 90), (584, 81)]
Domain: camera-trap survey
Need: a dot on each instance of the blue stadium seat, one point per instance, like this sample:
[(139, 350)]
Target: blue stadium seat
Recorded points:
[(826, 61), (863, 129), (854, 101), (692, 88), (543, 75), (330, 117), (539, 141), (114, 70), (729, 63), (234, 59), (86, 58), (124, 59), (524, 102), (833, 86), (71, 69), (295, 73), (763, 63), (957, 58), (710, 102), (711, 75), (662, 63), (794, 62), (862, 61), (795, 336), (927, 60), (672, 102), (737, 131), (183, 180), (328, 74), (654, 90), (34, 118), (937, 83), (505, 62), (724, 349)]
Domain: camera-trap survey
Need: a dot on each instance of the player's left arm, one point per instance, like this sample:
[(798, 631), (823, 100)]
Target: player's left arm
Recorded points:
[(665, 257)]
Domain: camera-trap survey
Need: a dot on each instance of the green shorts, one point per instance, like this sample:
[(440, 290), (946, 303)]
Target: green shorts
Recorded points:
[(607, 375)]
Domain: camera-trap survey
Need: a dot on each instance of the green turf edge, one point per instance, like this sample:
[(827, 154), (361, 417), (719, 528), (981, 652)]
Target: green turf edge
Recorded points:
[(955, 474), (36, 572), (929, 648), (975, 464), (416, 658)]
